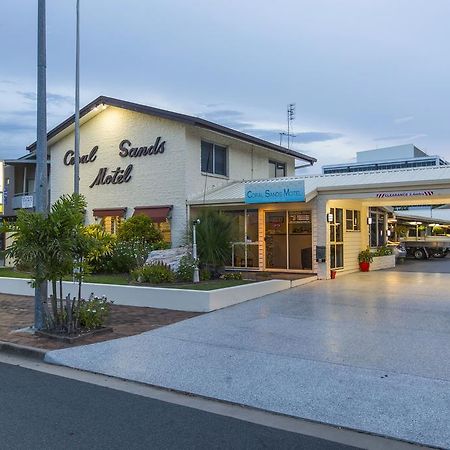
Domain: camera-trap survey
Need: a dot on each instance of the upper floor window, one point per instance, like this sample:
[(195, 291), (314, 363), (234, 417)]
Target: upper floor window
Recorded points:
[(352, 220), (277, 169), (214, 159)]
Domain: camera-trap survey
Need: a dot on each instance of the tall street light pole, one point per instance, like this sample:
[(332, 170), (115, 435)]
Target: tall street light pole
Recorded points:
[(41, 189), (76, 167)]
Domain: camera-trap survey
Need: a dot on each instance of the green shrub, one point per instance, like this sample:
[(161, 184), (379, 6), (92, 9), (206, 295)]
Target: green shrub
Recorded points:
[(232, 276), (139, 227), (383, 251), (141, 235), (122, 258), (154, 273), (205, 275), (186, 268), (214, 236)]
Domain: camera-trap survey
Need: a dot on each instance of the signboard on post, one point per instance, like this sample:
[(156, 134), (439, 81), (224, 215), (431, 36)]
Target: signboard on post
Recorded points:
[(275, 191), (27, 201)]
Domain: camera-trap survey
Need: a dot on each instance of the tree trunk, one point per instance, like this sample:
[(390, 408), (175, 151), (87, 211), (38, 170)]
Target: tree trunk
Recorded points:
[(54, 300), (80, 279), (61, 302)]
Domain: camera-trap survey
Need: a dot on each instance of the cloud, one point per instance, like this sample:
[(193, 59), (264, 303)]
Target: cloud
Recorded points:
[(307, 137), (56, 99), (10, 126), (400, 137), (235, 119), (227, 117), (405, 119)]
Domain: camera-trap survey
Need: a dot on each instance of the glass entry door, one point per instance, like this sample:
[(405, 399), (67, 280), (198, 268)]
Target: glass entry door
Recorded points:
[(276, 240), (288, 240)]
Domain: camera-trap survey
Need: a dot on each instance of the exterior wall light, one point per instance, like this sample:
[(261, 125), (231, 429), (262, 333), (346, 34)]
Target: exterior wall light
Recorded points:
[(369, 221), (196, 277), (330, 218)]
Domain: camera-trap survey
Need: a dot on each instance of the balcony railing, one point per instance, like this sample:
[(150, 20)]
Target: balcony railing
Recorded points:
[(23, 201)]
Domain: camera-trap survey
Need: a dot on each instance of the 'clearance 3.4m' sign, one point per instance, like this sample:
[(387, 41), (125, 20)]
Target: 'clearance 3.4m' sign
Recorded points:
[(275, 192), (405, 194)]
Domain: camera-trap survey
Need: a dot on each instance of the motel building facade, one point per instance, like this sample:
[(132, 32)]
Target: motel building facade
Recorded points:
[(137, 159)]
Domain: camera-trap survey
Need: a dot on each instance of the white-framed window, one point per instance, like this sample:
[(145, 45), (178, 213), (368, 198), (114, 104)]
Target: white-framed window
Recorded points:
[(111, 224), (352, 220), (377, 228), (214, 159), (337, 239), (276, 169)]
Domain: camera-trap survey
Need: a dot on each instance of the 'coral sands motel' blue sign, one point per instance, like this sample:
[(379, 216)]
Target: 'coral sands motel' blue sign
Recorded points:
[(275, 192)]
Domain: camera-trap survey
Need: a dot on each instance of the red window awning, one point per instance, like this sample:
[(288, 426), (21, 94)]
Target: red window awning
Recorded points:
[(157, 213), (109, 212)]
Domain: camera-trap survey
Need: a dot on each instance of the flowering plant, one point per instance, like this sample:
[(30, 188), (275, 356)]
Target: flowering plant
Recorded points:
[(94, 311)]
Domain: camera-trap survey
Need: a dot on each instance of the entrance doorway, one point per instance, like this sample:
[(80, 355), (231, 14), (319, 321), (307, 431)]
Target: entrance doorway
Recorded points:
[(288, 239)]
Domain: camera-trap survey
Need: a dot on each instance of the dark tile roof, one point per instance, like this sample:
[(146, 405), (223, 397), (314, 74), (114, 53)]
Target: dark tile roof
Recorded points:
[(183, 118)]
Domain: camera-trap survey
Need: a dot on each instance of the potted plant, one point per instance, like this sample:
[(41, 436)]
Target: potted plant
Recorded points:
[(365, 257)]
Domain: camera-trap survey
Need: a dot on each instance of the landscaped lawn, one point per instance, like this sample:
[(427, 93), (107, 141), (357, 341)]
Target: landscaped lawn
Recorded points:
[(124, 279)]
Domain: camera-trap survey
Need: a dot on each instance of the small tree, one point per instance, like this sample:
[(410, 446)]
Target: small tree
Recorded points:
[(141, 235), (53, 247), (214, 236)]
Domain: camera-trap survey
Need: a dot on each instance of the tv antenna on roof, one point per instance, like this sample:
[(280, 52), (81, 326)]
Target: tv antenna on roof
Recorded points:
[(290, 118)]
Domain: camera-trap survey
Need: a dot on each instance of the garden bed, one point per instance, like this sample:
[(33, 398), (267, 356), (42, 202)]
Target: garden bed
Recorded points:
[(17, 312), (72, 338), (123, 279)]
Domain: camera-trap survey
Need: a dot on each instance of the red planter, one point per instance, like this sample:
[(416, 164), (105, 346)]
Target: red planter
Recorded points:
[(332, 274), (364, 266)]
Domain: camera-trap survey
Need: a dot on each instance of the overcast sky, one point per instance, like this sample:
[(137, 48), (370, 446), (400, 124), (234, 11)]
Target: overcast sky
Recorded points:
[(363, 73)]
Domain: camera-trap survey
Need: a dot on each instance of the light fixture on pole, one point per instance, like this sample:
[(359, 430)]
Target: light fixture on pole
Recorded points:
[(196, 277), (41, 183), (76, 166)]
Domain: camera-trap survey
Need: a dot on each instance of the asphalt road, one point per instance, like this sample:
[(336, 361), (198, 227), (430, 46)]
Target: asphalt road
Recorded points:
[(43, 411)]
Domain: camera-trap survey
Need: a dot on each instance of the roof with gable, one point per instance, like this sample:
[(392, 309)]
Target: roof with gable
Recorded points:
[(170, 115)]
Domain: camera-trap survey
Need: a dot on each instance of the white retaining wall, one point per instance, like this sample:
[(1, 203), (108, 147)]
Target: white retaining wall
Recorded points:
[(382, 262), (154, 297)]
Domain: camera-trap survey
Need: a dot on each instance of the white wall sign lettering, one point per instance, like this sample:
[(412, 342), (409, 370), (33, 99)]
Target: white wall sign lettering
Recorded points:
[(275, 192)]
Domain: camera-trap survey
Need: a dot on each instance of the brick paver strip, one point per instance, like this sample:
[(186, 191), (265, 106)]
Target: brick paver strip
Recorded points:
[(16, 312)]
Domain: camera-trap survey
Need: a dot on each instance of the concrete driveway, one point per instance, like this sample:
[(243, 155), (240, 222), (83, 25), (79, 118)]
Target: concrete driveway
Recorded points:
[(432, 265), (365, 351)]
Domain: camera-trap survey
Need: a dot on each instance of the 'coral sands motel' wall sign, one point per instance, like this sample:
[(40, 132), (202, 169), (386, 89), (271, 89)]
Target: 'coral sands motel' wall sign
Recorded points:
[(118, 175)]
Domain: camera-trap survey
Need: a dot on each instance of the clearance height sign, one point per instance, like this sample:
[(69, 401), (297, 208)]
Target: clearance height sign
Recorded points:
[(275, 192)]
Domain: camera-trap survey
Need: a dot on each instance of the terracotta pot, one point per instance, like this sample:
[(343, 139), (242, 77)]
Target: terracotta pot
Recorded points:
[(364, 266)]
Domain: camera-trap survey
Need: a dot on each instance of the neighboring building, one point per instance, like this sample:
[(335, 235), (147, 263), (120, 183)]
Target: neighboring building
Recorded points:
[(138, 159), (406, 156)]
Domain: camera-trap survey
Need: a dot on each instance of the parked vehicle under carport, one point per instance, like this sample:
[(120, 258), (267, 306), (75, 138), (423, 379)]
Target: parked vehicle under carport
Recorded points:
[(429, 247)]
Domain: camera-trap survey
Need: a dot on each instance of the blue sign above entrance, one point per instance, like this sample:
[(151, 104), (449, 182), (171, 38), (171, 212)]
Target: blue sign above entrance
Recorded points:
[(275, 192)]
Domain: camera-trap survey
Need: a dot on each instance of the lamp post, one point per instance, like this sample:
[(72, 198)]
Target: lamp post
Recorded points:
[(41, 187), (76, 166), (196, 278)]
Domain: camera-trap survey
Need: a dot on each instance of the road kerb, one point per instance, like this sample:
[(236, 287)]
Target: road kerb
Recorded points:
[(22, 350)]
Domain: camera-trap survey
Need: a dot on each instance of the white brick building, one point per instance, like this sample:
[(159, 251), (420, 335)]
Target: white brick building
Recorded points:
[(161, 182)]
